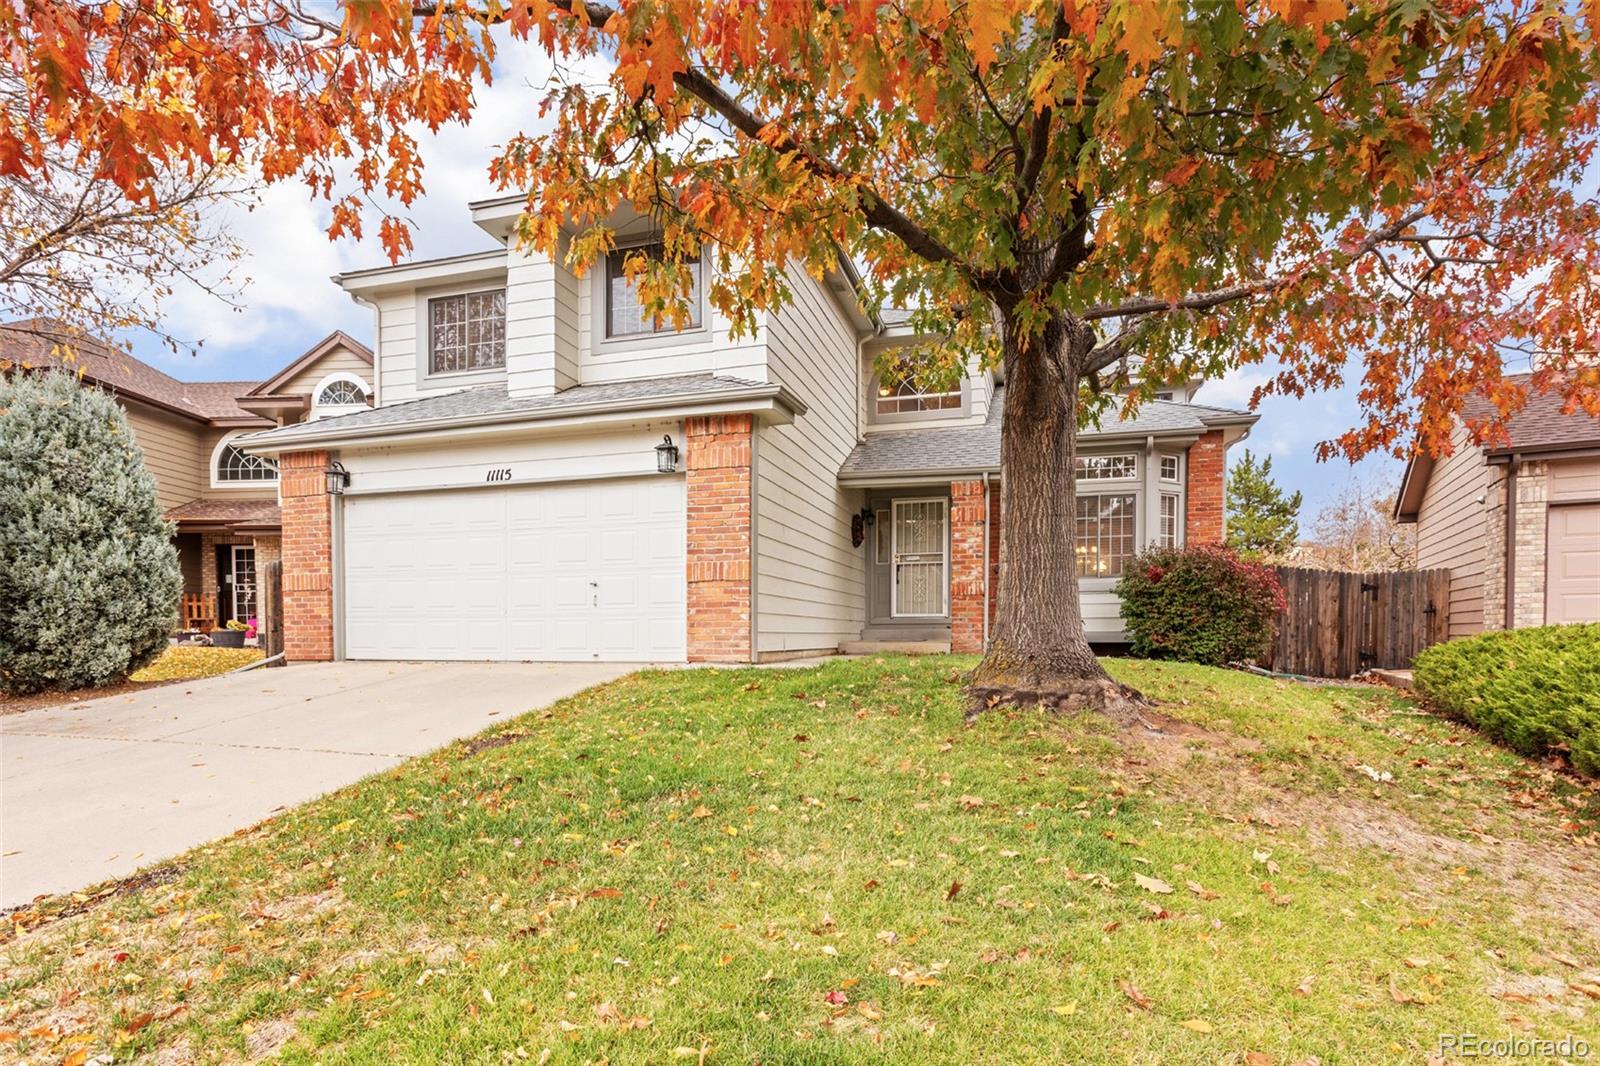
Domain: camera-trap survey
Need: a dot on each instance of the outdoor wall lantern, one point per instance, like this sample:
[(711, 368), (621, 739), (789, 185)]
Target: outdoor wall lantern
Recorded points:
[(338, 478), (666, 455)]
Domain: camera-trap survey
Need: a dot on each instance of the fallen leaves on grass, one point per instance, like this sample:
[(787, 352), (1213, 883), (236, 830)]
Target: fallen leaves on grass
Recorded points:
[(1136, 997), (1152, 884)]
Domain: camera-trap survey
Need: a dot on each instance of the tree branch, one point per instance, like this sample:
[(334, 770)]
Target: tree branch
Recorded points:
[(1202, 301)]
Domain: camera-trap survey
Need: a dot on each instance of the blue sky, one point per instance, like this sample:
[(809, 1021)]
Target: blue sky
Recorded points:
[(289, 303)]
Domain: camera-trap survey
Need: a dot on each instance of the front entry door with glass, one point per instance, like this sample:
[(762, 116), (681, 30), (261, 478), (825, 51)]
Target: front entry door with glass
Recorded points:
[(919, 583), (243, 582)]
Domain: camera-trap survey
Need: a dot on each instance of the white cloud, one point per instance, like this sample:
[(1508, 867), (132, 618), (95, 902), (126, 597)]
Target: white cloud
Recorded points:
[(289, 301)]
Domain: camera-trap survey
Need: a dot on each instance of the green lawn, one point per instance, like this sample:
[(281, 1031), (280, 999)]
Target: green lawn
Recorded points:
[(830, 865)]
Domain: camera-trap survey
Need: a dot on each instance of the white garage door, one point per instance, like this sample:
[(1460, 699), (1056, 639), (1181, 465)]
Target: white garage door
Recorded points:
[(568, 572), (1572, 585)]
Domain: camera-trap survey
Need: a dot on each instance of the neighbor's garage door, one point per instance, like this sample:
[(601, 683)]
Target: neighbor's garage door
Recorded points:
[(572, 572), (1572, 586)]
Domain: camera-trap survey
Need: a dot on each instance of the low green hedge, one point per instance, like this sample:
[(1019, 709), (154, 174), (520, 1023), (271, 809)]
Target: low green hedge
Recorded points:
[(1536, 690)]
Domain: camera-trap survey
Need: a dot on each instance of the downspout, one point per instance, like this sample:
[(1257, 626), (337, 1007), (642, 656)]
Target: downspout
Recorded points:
[(1511, 539), (988, 510)]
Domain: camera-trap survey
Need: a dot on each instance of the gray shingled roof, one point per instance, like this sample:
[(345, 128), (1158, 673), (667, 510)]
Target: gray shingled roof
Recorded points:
[(966, 449), (491, 402)]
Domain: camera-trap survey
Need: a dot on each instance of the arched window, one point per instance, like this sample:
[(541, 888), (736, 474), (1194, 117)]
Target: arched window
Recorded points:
[(339, 394), (230, 466)]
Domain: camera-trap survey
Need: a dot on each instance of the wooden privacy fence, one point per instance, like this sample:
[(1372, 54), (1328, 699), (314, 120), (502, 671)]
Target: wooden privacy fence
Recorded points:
[(1337, 623)]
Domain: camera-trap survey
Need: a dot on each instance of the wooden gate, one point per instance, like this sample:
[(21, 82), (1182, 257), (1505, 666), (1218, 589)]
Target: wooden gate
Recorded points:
[(1338, 624), (270, 593)]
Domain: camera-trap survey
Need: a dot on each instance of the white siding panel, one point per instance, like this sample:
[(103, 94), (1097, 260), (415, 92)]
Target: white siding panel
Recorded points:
[(810, 582), (395, 348), (707, 351)]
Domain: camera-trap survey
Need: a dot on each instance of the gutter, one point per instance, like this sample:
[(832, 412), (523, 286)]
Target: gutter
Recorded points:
[(265, 443), (1511, 540)]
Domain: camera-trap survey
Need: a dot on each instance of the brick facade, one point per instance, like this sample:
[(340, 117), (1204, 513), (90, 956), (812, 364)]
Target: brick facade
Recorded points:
[(1529, 550), (717, 451), (1208, 462), (966, 566), (307, 547)]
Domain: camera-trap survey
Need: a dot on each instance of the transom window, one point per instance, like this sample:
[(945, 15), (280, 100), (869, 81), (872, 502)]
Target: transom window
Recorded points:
[(341, 394), (467, 332), (899, 394), (626, 316), (1106, 467), (235, 465), (1169, 468), (1167, 537)]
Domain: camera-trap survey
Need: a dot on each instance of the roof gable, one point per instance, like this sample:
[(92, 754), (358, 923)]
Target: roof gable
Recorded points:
[(333, 341)]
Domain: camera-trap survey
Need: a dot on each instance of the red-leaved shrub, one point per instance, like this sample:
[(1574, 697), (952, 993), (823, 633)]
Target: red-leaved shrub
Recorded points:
[(1203, 604)]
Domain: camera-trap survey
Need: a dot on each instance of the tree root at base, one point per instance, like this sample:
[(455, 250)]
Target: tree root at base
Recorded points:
[(1121, 703)]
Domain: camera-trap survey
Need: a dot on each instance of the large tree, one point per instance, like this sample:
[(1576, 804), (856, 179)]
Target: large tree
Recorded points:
[(1390, 192)]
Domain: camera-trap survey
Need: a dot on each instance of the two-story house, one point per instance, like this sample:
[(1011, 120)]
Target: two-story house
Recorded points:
[(223, 501), (549, 473)]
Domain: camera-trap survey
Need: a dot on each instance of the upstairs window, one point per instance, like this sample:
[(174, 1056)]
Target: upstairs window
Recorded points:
[(341, 394), (900, 394), (1106, 467), (467, 332), (625, 314), (1169, 468), (235, 467)]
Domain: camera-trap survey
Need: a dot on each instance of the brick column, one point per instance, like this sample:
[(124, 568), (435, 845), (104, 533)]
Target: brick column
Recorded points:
[(1528, 584), (717, 463), (307, 557), (994, 550), (1207, 469), (967, 507)]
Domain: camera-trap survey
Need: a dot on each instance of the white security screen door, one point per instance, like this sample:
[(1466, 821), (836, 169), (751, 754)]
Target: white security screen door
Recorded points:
[(920, 585), (244, 582)]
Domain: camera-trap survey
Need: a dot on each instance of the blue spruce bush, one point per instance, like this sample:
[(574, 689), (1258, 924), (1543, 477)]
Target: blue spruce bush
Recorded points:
[(89, 580)]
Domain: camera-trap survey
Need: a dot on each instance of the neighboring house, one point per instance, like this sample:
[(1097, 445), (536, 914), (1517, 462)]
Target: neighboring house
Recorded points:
[(1517, 525), (548, 473), (223, 501)]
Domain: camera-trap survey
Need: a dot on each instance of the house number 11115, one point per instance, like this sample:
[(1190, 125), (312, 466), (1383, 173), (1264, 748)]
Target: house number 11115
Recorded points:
[(499, 473)]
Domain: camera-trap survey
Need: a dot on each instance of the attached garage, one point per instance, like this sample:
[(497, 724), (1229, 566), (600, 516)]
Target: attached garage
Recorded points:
[(1572, 583), (563, 571)]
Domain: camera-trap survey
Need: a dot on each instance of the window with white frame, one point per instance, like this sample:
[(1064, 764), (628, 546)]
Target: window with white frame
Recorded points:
[(899, 393), (467, 332), (1105, 525), (234, 467), (1169, 468), (341, 393), (1167, 533), (1106, 467), (626, 315)]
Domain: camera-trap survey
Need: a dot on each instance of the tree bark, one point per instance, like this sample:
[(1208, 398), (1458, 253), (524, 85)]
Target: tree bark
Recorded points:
[(1038, 650)]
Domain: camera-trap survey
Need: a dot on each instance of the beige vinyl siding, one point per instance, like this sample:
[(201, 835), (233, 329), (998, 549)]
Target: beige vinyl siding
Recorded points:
[(172, 452), (340, 360), (810, 587), (1450, 531)]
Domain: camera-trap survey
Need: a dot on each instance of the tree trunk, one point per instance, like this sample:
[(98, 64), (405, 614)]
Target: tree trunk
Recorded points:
[(1038, 651)]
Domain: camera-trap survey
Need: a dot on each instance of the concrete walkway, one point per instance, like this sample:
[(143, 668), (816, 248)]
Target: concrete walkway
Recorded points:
[(96, 789)]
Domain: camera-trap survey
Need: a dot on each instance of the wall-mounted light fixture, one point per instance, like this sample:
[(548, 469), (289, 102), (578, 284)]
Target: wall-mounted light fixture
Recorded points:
[(338, 478), (667, 455)]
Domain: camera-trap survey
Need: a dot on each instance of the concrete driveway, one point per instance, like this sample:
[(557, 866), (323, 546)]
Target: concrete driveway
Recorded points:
[(97, 789)]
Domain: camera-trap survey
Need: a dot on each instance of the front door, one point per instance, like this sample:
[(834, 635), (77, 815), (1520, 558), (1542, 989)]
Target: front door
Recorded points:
[(919, 583), (242, 591)]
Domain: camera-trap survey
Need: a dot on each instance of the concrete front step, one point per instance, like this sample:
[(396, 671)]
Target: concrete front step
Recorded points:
[(894, 647)]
